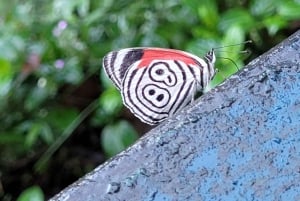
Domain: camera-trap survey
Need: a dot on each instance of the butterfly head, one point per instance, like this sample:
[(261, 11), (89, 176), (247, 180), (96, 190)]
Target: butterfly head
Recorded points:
[(210, 57)]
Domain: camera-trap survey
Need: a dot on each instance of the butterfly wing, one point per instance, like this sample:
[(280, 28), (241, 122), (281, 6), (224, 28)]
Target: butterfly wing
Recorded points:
[(116, 63), (157, 91), (155, 82)]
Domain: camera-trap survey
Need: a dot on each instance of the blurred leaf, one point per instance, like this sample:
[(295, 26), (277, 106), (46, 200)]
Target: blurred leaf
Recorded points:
[(33, 131), (117, 137), (61, 117), (22, 13), (46, 133), (262, 8), (274, 24), (33, 193), (208, 13), (237, 17), (65, 9), (36, 96), (72, 72), (99, 12), (68, 71), (105, 81), (38, 130), (5, 77), (233, 39), (32, 135), (203, 33), (110, 105), (154, 40), (11, 45), (289, 9), (111, 101), (200, 47), (228, 57), (10, 138), (192, 4)]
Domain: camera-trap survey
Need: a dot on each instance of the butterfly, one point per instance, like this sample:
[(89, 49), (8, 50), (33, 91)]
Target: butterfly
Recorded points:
[(155, 83)]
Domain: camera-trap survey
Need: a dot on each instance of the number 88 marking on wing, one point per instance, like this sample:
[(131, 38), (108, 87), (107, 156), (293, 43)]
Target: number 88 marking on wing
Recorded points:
[(154, 82)]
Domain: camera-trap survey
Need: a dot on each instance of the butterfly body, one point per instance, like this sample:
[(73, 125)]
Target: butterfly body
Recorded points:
[(155, 82)]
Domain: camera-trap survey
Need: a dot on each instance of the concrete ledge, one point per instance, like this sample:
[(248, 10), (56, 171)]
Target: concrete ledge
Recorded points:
[(240, 141)]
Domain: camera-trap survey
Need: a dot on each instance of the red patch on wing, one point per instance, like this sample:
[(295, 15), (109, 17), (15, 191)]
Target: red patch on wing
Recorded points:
[(161, 54)]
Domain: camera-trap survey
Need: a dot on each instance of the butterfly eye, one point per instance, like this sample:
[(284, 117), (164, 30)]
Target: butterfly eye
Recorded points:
[(159, 72)]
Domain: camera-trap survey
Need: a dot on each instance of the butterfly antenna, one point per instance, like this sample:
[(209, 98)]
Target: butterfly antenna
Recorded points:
[(231, 61), (245, 42), (241, 52)]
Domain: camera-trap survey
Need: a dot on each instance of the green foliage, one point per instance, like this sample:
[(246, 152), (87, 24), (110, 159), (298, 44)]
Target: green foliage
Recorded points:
[(33, 193), (117, 137), (5, 77), (50, 49)]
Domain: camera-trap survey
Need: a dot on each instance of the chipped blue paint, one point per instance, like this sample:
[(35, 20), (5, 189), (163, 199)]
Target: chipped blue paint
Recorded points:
[(158, 196), (291, 193), (239, 157), (208, 159)]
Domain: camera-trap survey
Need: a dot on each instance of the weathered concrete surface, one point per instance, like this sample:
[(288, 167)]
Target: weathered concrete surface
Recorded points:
[(241, 141)]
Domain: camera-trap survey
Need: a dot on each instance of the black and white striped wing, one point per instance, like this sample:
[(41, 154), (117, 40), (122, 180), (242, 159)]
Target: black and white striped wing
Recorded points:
[(155, 82), (157, 91), (116, 63)]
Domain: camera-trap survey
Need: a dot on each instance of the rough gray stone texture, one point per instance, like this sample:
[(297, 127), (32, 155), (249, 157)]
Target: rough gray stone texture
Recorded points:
[(240, 141)]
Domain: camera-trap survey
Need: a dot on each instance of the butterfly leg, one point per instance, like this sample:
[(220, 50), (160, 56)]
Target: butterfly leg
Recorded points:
[(194, 91)]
